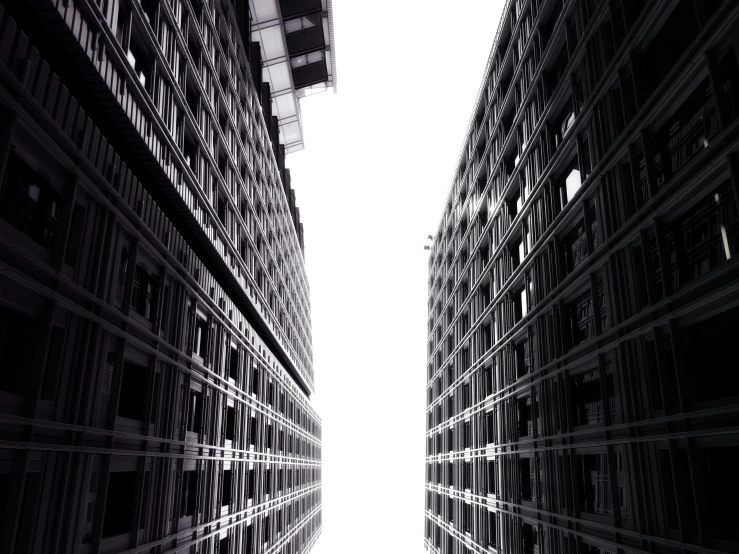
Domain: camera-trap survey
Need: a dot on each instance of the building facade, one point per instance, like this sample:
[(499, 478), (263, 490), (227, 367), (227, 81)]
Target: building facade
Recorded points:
[(155, 336), (583, 394)]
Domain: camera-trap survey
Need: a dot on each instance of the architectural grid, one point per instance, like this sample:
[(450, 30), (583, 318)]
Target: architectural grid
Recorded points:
[(155, 340), (583, 392)]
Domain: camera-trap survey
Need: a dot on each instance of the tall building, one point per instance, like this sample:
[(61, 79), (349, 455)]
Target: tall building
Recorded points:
[(583, 393), (155, 339)]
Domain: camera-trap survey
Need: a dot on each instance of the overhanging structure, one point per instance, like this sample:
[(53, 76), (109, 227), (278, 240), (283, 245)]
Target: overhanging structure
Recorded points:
[(297, 50)]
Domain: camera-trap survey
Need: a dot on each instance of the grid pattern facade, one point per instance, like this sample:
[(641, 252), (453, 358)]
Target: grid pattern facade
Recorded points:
[(154, 315), (583, 307)]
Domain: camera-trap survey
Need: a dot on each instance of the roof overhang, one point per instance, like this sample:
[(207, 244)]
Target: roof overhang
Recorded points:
[(296, 40)]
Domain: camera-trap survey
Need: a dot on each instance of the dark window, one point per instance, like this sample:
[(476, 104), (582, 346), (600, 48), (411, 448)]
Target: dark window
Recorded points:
[(492, 529), (253, 432), (249, 539), (132, 402), (575, 247), (720, 483), (123, 26), (490, 426), (252, 485), (222, 166), (16, 351), (190, 149), (230, 418), (525, 467), (669, 44), (193, 101), (196, 412), (165, 309), (189, 493), (522, 366), (487, 376), (586, 398), (29, 507), (582, 322), (530, 537), (710, 366), (467, 475), (233, 364), (595, 495), (200, 346), (119, 505), (144, 296), (122, 267), (226, 489), (29, 203), (524, 417), (76, 234), (143, 63)]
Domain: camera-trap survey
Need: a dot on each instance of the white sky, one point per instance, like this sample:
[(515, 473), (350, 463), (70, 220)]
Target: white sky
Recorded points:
[(371, 185)]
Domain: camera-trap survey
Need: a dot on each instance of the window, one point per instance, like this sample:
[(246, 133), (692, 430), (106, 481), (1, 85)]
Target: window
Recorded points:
[(16, 351), (123, 26), (582, 322), (668, 45), (253, 432), (195, 416), (233, 364), (76, 235), (519, 304), (226, 488), (200, 346), (29, 203), (525, 467), (595, 483), (142, 62), (467, 475), (575, 247), (144, 295), (718, 468), (230, 421), (122, 267), (524, 417), (492, 529), (530, 538), (190, 149), (119, 505), (587, 405), (708, 344), (132, 400), (189, 493), (252, 485)]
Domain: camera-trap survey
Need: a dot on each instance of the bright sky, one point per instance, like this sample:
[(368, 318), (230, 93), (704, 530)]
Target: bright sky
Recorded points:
[(371, 184)]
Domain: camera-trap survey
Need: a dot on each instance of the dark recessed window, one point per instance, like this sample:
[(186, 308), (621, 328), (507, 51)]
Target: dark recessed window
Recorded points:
[(230, 419), (16, 351), (189, 493), (226, 488), (29, 203), (119, 504), (195, 416), (144, 295), (132, 401), (233, 364), (200, 346)]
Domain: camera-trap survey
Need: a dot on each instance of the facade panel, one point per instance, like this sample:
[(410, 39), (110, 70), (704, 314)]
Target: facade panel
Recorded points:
[(154, 305), (582, 394)]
